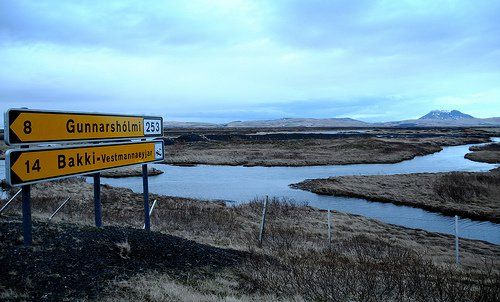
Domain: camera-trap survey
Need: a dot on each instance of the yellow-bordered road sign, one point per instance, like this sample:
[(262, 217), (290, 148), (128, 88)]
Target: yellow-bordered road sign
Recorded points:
[(25, 126), (26, 166)]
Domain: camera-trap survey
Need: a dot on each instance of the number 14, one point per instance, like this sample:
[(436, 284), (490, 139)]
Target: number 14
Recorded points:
[(35, 167)]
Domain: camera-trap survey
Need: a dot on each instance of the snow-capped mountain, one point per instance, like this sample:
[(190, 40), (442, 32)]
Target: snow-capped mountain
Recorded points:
[(442, 118), (445, 115)]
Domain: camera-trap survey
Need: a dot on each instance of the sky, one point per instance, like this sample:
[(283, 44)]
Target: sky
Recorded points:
[(220, 61)]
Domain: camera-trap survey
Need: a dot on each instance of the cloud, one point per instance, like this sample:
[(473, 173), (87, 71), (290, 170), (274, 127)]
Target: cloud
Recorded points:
[(124, 25), (229, 60), (388, 27)]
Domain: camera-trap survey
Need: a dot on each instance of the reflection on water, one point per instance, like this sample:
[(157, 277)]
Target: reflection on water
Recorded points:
[(240, 184)]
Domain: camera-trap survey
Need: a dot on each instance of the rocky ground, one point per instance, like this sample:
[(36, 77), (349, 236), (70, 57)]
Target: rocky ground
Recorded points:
[(472, 195), (69, 261)]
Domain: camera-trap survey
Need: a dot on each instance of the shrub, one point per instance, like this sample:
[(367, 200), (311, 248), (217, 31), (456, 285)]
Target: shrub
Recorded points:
[(458, 187), (375, 271)]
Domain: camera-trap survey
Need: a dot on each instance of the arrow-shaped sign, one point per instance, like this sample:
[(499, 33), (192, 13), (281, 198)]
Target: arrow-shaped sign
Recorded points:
[(25, 166), (25, 126)]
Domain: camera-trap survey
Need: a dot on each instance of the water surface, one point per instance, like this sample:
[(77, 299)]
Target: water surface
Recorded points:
[(241, 184)]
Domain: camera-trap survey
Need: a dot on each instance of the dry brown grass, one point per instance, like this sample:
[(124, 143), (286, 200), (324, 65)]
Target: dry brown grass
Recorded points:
[(367, 257), (295, 263), (11, 295), (290, 226), (463, 187), (276, 151), (489, 153), (487, 147), (297, 152), (160, 287), (366, 270), (474, 195), (123, 249)]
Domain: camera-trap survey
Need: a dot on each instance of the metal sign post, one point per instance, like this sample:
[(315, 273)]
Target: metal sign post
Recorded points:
[(26, 166), (27, 237), (97, 200), (26, 206), (145, 193)]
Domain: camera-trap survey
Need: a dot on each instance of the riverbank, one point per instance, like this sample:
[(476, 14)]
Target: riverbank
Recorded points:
[(470, 195), (295, 248), (309, 152), (129, 172), (489, 153)]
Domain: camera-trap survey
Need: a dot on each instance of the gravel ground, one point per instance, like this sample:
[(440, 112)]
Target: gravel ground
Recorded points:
[(69, 261)]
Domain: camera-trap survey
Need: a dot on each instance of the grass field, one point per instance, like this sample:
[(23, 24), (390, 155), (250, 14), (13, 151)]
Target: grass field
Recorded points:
[(367, 258)]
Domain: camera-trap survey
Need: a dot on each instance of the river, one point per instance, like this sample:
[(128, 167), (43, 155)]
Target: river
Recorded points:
[(240, 184)]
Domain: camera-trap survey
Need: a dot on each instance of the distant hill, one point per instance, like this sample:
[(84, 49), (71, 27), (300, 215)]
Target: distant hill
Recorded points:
[(301, 122), (446, 115), (435, 118)]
